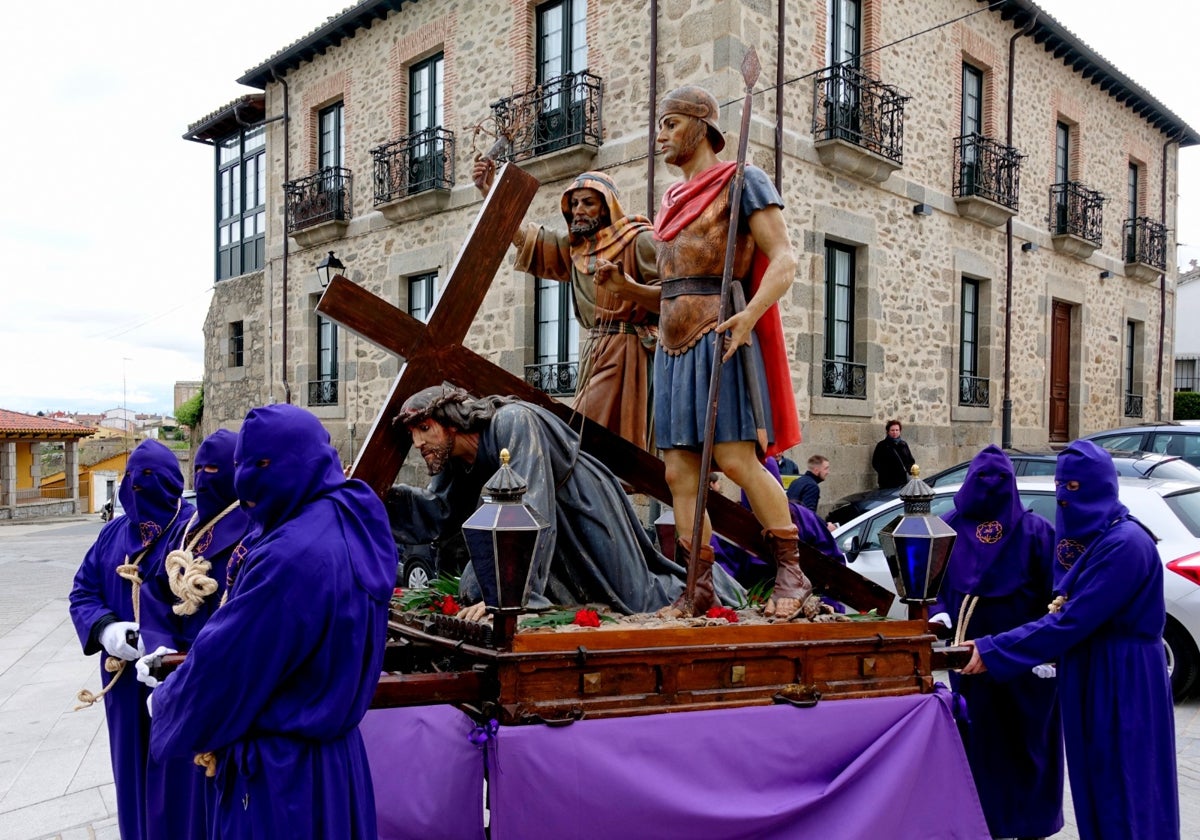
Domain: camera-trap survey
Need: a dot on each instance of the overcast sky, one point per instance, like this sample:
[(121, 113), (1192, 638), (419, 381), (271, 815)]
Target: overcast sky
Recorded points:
[(107, 224)]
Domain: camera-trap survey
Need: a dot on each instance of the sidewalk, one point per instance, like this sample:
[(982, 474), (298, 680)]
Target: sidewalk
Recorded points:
[(55, 775)]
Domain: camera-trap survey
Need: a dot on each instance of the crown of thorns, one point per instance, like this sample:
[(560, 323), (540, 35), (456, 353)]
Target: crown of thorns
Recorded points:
[(414, 413)]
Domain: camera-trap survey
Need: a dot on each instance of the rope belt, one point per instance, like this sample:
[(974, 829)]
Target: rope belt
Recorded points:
[(965, 611), (112, 664), (188, 575)]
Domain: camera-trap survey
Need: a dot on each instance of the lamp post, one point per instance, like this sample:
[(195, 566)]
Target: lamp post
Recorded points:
[(503, 536), (328, 268), (917, 545)]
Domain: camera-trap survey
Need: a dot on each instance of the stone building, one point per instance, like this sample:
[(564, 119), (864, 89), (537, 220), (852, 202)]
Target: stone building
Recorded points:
[(1187, 344), (923, 190)]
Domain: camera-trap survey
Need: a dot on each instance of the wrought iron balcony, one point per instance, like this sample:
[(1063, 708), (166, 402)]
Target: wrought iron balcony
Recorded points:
[(323, 392), (1145, 244), (421, 161), (563, 112), (973, 391), (1133, 405), (849, 105), (986, 168), (1077, 211), (558, 379), (324, 196), (843, 379)]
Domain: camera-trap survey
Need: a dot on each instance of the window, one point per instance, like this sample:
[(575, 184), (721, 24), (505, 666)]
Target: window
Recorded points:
[(1131, 187), (331, 140), (561, 53), (235, 344), (841, 377), (972, 126), (972, 385), (1185, 375), (1062, 174), (324, 389), (556, 342), (843, 41), (241, 203), (1132, 378), (425, 115), (422, 290)]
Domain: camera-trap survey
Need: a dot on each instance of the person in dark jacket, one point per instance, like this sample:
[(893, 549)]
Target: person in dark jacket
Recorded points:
[(892, 460), (806, 490)]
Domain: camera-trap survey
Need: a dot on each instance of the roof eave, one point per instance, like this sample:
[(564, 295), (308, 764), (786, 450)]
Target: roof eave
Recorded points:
[(335, 30)]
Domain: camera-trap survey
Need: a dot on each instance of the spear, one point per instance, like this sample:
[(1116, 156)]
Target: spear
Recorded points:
[(750, 70)]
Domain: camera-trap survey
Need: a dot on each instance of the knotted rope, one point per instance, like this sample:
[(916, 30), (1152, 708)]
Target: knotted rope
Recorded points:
[(188, 574), (112, 664)]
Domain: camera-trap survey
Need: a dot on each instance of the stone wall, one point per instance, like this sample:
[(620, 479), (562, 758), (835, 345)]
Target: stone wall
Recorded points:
[(909, 267)]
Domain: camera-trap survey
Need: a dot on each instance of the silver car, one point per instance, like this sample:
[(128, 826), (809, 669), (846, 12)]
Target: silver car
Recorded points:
[(1171, 509)]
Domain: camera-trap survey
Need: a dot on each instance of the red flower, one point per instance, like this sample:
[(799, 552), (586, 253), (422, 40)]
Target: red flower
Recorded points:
[(449, 606), (722, 612), (587, 618), (397, 592)]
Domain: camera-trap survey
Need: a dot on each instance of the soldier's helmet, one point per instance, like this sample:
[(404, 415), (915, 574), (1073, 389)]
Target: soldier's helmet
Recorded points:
[(695, 101)]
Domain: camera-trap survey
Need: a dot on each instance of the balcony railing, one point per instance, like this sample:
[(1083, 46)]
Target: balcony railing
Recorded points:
[(973, 391), (323, 392), (1076, 210), (849, 105), (1133, 405), (843, 379), (562, 112), (558, 379), (986, 168), (1145, 242), (324, 196), (421, 161)]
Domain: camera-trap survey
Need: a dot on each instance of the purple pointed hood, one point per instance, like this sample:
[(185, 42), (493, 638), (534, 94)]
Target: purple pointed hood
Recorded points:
[(987, 510), (1086, 511), (213, 481), (150, 493), (284, 462)]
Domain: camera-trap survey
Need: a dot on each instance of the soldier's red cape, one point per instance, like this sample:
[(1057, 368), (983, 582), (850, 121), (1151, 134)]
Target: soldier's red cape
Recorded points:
[(682, 203)]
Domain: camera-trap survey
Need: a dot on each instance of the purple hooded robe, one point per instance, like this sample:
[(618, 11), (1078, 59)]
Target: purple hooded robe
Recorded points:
[(278, 679), (150, 493), (1004, 556), (1118, 719), (177, 793)]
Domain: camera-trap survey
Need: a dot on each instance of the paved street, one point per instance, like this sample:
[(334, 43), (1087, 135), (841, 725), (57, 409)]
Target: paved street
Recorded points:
[(55, 780)]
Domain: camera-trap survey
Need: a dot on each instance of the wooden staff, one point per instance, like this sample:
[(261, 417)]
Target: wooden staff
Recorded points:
[(750, 70)]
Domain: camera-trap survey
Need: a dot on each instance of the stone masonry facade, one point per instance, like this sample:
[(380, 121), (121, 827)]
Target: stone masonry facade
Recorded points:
[(909, 267)]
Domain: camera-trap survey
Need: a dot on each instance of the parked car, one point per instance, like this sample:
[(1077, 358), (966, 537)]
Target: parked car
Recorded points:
[(1180, 438), (1131, 463), (1171, 509)]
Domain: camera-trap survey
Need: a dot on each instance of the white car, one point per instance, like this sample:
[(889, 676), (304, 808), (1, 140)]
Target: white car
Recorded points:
[(1171, 509)]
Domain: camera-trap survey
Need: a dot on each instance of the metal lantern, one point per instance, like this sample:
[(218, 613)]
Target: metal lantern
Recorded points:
[(503, 537), (917, 545), (329, 268)]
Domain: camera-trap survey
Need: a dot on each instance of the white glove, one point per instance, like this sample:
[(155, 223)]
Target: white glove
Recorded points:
[(149, 704), (113, 639), (1046, 670), (149, 661), (942, 618)]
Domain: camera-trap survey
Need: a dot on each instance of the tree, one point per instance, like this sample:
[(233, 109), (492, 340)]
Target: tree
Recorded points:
[(192, 411)]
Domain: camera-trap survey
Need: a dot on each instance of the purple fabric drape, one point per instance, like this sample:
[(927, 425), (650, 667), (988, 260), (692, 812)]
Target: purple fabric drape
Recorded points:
[(888, 767)]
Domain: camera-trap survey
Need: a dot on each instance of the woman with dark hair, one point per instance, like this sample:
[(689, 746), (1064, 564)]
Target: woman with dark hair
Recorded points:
[(892, 460)]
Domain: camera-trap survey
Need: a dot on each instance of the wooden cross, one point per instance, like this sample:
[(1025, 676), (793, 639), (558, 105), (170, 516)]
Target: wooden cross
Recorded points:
[(434, 354)]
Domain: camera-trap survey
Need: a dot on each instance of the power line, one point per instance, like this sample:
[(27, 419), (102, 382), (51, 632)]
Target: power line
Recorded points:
[(120, 331)]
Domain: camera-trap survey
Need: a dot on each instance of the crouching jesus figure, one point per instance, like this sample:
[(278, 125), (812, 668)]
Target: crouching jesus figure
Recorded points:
[(595, 551)]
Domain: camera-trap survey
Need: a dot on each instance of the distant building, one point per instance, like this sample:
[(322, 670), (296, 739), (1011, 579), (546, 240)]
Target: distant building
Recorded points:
[(22, 437), (1187, 339)]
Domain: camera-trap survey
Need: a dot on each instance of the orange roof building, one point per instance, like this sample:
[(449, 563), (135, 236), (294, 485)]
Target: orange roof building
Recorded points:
[(21, 439)]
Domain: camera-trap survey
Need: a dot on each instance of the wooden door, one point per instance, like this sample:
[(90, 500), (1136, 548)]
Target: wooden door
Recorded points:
[(1060, 372)]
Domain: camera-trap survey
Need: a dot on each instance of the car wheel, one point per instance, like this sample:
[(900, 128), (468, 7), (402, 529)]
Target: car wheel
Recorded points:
[(1183, 662), (418, 572)]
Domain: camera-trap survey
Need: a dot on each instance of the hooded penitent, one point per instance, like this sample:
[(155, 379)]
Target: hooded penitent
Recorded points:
[(1084, 513), (149, 492), (987, 510), (278, 679)]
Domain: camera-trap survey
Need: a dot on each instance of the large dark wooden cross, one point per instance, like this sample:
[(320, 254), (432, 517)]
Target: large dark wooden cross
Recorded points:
[(434, 353)]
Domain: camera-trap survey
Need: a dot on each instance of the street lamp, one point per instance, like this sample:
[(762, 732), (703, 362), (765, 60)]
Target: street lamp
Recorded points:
[(329, 268)]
